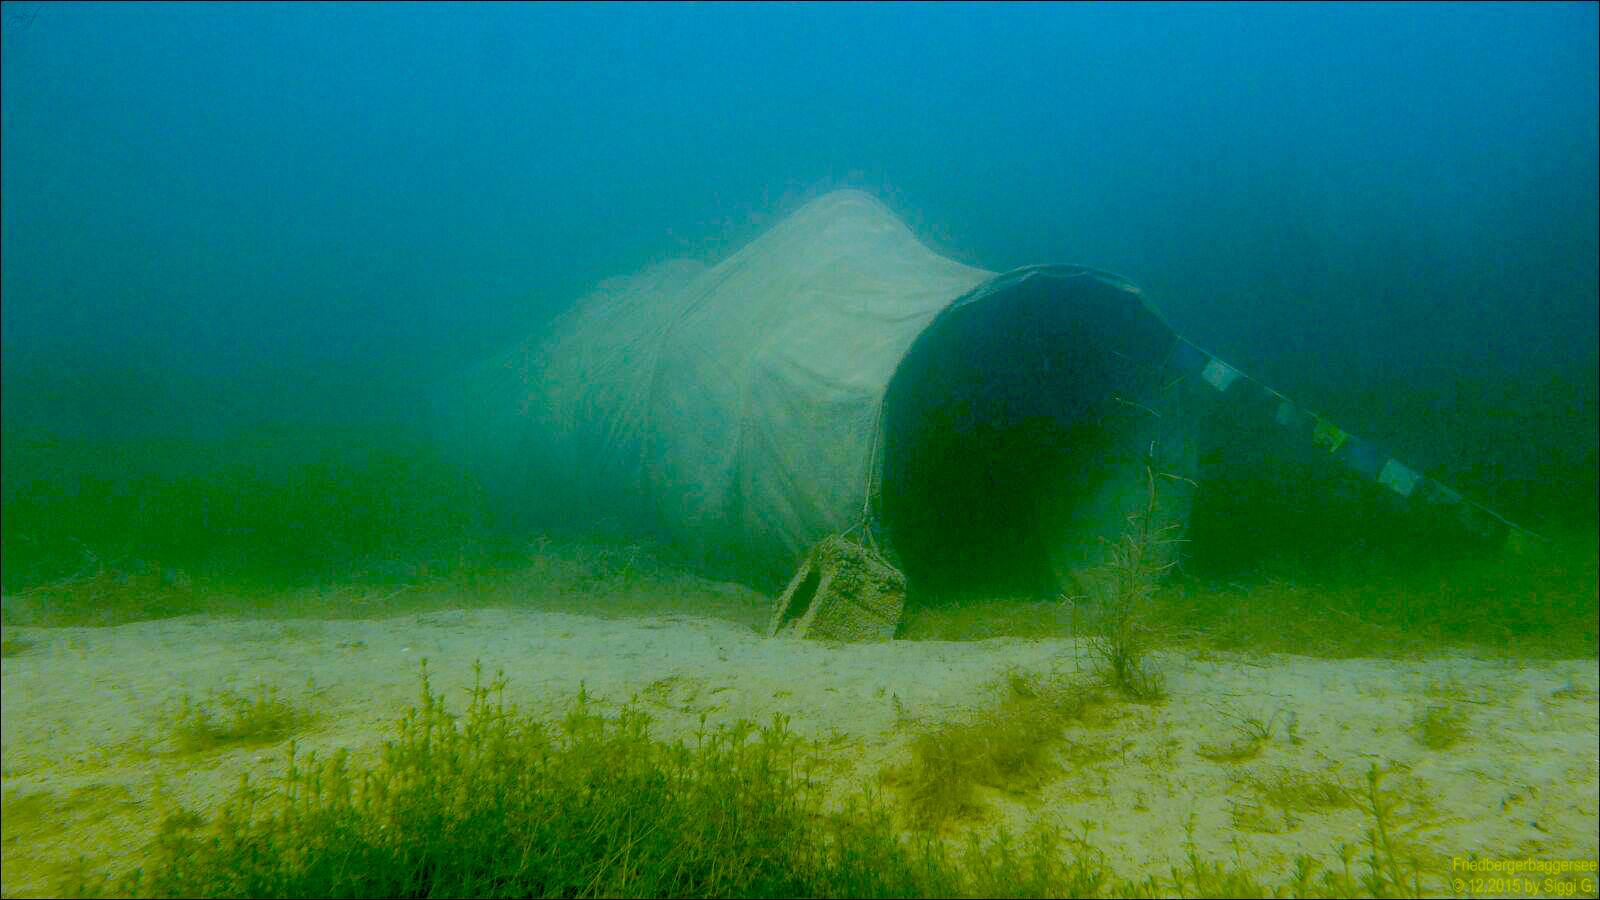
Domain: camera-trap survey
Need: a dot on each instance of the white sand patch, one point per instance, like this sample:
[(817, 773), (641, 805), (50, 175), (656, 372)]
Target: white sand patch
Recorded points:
[(85, 731)]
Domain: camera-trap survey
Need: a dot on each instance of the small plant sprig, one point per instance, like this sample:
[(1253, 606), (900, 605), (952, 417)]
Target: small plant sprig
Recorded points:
[(1392, 870), (1124, 631)]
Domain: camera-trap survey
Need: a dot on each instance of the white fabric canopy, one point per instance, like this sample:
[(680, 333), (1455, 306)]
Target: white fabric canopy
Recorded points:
[(732, 406)]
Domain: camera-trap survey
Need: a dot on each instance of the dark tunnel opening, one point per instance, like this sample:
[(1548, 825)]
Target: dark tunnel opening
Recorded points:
[(1007, 415)]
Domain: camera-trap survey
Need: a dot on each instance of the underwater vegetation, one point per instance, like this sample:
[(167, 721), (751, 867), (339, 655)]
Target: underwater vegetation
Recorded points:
[(498, 805), (1292, 790), (1540, 604), (1248, 735), (229, 717), (1439, 726), (373, 523), (14, 645), (489, 802), (119, 521), (1125, 626), (1005, 747)]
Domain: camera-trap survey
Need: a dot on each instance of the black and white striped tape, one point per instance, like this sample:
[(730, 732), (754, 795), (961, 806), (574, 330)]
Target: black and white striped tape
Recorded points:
[(1363, 457)]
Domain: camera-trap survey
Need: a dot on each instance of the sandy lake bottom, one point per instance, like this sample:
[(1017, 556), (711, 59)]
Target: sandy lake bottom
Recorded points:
[(88, 760)]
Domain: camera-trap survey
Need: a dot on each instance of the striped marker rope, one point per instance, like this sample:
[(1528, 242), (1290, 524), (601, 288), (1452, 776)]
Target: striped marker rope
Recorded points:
[(1363, 457)]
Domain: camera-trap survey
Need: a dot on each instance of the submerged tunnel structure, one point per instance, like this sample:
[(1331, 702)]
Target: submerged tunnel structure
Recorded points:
[(1022, 428), (989, 432)]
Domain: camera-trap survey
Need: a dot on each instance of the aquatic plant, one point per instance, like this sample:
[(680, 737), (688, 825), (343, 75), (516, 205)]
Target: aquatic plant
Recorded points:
[(490, 803), (1005, 747), (494, 804), (15, 645), (263, 507), (1439, 726), (976, 619), (1294, 790), (1539, 604), (1234, 751), (229, 717), (1124, 628), (1251, 732), (1392, 867), (1046, 863)]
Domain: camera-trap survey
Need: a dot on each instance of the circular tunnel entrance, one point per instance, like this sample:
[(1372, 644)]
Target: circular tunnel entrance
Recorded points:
[(1004, 419)]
